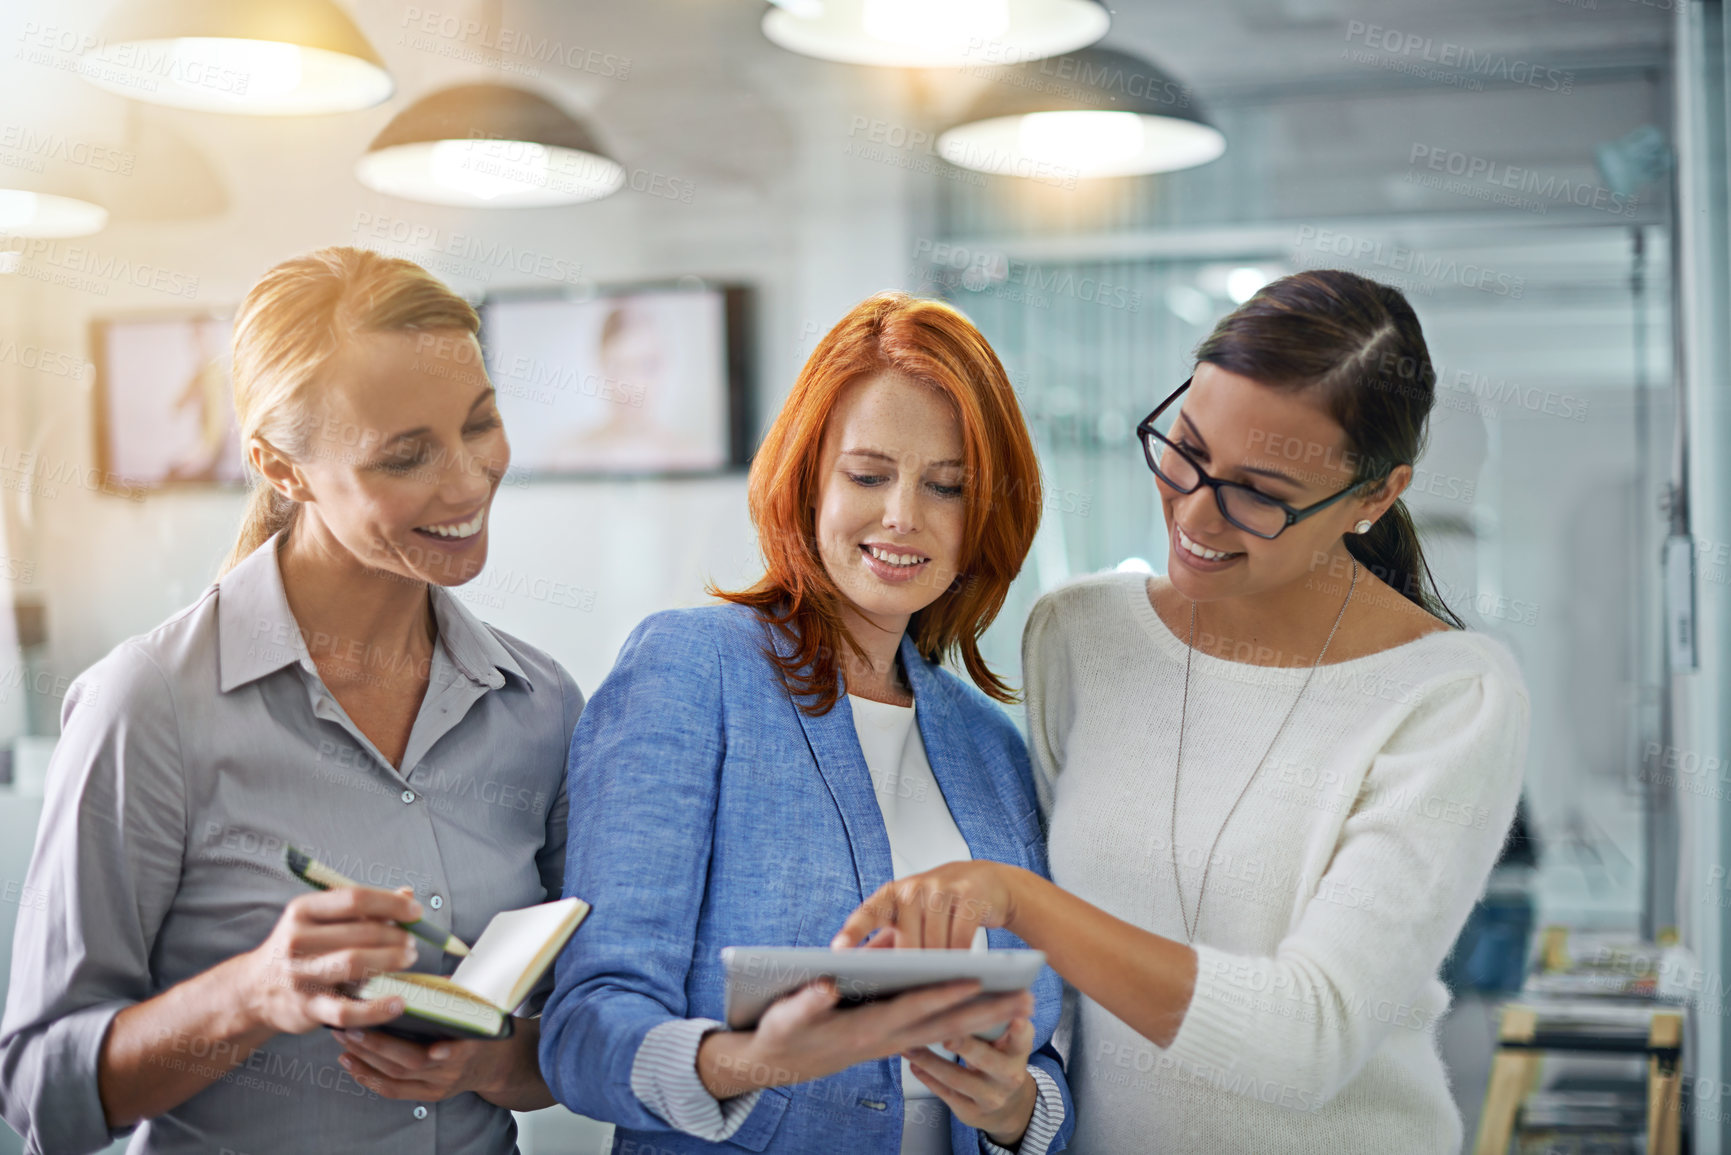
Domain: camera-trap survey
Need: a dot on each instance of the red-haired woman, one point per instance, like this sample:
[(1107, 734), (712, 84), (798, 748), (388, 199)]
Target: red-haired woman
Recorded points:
[(750, 771)]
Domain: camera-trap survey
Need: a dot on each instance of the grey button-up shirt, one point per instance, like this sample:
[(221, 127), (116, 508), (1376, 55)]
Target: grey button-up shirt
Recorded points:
[(188, 758)]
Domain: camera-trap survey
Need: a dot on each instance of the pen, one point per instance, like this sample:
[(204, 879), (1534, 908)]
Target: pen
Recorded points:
[(316, 874)]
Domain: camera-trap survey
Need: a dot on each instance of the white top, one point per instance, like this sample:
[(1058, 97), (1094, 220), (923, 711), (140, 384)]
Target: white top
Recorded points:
[(922, 834), (1335, 891), (921, 830)]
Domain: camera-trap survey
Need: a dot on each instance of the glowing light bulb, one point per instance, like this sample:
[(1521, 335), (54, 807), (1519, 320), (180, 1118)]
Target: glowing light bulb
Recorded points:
[(17, 209), (487, 169), (255, 70), (29, 214), (1080, 140), (1242, 283), (935, 24)]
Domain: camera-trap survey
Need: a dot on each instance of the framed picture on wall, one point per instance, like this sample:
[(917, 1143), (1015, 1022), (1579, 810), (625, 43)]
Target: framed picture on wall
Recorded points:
[(644, 379), (164, 406)]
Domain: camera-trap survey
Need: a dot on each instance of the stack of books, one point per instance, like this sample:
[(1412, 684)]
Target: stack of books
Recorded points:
[(1599, 991)]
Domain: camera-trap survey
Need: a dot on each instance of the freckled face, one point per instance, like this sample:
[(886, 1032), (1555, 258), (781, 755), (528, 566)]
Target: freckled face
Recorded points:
[(890, 503)]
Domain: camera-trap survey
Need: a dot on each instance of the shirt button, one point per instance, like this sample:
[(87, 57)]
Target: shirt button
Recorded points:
[(421, 1112), (408, 796), (436, 902)]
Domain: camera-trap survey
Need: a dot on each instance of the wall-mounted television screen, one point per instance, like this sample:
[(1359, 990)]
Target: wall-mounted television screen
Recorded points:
[(648, 379), (164, 404)]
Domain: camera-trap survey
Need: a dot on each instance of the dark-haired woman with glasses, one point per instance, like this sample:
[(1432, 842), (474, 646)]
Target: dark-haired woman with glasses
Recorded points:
[(1276, 780)]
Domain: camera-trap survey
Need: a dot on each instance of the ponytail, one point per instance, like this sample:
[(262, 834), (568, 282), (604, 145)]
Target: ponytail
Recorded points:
[(1392, 552), (267, 512)]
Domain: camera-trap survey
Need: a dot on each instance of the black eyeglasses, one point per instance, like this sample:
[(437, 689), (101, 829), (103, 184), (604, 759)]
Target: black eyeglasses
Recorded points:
[(1251, 511)]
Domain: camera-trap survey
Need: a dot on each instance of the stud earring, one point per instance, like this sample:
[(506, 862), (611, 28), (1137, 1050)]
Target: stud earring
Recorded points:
[(1362, 527)]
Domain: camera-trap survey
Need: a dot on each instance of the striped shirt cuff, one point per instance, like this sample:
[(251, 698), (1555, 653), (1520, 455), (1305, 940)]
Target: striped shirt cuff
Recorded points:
[(664, 1078), (1043, 1125)]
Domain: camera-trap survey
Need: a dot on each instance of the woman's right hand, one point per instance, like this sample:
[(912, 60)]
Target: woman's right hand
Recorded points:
[(808, 1036), (289, 983)]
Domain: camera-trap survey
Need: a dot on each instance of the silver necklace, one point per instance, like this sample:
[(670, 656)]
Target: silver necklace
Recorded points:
[(1184, 709)]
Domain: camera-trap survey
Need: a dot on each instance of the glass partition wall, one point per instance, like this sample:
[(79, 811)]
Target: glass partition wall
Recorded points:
[(1538, 497)]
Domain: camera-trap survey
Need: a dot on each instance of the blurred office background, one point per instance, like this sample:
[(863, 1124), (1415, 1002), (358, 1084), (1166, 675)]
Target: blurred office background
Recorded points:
[(1546, 180)]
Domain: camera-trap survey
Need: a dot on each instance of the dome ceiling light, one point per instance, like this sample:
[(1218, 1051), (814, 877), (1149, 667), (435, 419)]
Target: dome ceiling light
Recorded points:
[(488, 146), (254, 57), (1093, 113), (934, 33)]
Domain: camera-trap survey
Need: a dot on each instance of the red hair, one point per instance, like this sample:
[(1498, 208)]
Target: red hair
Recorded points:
[(933, 344)]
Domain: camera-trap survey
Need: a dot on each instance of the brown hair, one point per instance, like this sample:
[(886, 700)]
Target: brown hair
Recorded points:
[(931, 343), (291, 325), (1357, 344)]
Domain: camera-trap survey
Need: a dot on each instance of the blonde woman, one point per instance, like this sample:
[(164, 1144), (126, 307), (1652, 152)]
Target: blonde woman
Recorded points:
[(328, 692)]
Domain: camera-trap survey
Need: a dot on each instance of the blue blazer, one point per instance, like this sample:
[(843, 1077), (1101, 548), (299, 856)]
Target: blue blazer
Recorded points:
[(708, 811)]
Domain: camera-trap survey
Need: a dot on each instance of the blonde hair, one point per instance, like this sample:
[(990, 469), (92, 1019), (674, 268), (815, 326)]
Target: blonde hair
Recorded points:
[(291, 326)]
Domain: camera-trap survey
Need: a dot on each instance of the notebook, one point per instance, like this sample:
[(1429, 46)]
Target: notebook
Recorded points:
[(476, 1001)]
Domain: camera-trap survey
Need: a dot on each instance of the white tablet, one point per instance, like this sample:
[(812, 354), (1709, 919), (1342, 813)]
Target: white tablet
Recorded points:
[(759, 975)]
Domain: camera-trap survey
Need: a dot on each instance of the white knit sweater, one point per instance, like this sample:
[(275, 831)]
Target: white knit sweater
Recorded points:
[(1335, 891)]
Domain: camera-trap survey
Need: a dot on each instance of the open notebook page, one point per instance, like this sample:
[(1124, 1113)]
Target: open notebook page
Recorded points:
[(516, 947)]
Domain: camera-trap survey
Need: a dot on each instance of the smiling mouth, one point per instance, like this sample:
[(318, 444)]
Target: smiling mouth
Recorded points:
[(1195, 550), (887, 557), (449, 531)]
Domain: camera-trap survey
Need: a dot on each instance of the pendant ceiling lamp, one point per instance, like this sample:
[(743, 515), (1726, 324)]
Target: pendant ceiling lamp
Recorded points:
[(27, 213), (488, 146), (59, 201), (256, 57), (934, 33), (1093, 113)]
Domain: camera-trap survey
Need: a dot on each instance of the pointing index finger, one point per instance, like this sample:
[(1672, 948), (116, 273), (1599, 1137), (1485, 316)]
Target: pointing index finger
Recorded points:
[(877, 911)]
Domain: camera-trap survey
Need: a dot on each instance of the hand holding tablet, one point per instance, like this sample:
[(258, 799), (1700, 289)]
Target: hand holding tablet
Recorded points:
[(758, 976)]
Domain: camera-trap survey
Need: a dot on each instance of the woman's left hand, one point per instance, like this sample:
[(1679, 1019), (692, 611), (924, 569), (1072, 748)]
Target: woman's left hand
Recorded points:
[(994, 1093), (399, 1069), (937, 908)]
